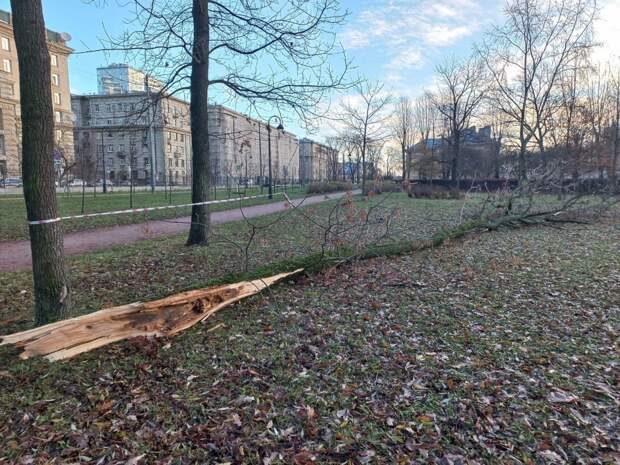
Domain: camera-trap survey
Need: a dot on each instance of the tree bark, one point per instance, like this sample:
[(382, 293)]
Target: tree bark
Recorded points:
[(404, 155), (199, 113), (454, 166), (51, 288)]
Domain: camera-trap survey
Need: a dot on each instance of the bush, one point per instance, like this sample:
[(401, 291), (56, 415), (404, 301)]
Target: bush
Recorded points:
[(379, 188), (427, 191), (331, 186)]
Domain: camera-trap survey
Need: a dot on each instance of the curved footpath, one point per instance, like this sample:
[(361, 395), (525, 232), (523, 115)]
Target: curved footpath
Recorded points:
[(16, 255)]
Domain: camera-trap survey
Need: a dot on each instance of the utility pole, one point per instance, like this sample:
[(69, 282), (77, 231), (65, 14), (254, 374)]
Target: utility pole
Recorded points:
[(150, 129), (269, 161), (105, 174), (260, 161)]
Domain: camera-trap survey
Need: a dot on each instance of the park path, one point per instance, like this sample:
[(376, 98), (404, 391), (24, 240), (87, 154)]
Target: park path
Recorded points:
[(16, 255)]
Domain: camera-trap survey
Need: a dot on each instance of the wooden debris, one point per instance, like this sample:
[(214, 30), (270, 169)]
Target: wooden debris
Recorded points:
[(163, 317)]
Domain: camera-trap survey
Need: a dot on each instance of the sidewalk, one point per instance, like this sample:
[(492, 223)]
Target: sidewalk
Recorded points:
[(16, 255)]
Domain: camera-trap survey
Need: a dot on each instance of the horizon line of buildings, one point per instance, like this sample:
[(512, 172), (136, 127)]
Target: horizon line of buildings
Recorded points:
[(129, 130)]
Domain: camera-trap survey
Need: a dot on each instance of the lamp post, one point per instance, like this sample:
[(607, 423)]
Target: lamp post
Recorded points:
[(279, 128)]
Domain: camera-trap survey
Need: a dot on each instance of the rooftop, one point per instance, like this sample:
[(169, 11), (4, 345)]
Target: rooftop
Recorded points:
[(59, 38)]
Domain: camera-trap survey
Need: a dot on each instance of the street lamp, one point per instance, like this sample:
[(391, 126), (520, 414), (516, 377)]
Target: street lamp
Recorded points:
[(279, 128)]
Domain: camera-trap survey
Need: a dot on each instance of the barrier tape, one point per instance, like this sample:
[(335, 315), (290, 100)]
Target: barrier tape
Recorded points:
[(147, 209)]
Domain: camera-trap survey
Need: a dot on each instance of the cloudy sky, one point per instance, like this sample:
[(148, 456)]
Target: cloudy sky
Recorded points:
[(395, 41)]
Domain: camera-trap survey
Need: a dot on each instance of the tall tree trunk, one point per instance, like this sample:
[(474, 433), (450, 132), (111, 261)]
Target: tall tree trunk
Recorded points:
[(455, 160), (51, 288), (404, 155), (363, 174), (199, 113), (521, 167)]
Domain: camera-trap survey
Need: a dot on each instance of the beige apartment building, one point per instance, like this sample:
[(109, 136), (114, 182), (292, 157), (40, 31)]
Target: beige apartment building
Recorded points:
[(132, 136), (240, 149), (10, 110), (317, 162)]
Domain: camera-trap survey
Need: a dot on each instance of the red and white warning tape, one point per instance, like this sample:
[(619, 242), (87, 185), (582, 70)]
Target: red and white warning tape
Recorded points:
[(146, 209)]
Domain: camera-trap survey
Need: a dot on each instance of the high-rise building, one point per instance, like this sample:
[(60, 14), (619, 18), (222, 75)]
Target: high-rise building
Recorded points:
[(10, 108), (123, 79)]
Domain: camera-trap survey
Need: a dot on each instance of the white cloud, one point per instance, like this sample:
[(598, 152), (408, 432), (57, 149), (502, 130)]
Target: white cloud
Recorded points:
[(410, 33), (607, 31)]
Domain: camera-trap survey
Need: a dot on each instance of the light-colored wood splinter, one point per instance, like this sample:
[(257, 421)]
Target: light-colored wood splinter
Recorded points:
[(163, 317)]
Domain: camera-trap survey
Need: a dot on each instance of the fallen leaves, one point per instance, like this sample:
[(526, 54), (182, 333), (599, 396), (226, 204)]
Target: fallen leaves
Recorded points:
[(511, 364)]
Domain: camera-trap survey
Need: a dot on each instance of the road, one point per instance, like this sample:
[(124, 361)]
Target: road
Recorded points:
[(16, 255)]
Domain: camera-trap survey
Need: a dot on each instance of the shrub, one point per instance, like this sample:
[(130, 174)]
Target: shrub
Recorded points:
[(331, 186), (427, 191), (386, 186)]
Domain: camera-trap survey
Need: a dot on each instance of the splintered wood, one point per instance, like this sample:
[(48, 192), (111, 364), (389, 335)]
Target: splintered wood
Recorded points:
[(164, 317)]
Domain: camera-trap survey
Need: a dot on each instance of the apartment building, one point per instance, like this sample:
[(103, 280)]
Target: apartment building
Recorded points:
[(240, 149), (121, 78), (132, 136), (317, 162), (10, 109)]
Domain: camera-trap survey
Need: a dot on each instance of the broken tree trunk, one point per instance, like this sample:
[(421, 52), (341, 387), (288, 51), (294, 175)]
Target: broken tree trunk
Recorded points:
[(163, 317)]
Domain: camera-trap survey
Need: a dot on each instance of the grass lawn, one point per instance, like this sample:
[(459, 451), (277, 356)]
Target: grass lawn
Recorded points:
[(159, 267), (497, 349), (13, 209)]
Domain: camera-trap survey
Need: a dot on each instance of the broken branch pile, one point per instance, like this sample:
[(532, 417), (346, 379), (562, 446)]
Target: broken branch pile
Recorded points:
[(163, 317)]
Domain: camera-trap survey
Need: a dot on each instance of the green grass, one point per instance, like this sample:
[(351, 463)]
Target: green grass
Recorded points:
[(455, 354), (155, 268), (13, 210)]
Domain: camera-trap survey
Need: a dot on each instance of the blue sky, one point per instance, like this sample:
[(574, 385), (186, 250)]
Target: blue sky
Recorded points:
[(395, 41)]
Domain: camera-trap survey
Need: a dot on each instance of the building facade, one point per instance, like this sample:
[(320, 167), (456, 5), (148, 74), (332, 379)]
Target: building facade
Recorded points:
[(121, 78), (10, 108), (132, 137), (239, 148), (478, 156), (317, 162)]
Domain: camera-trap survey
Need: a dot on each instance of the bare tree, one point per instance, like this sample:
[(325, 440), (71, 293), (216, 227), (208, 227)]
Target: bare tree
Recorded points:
[(527, 57), (426, 123), (403, 130), (615, 128), (461, 90), (51, 288), (365, 117), (272, 55)]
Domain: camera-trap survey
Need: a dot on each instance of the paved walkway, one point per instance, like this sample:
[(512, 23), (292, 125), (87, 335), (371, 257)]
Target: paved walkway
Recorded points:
[(16, 255)]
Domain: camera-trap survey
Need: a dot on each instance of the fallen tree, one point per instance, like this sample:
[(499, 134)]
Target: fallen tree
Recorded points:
[(163, 317)]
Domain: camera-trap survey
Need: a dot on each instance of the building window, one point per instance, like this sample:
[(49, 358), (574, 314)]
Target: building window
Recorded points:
[(54, 59), (1, 120), (2, 146), (97, 108), (110, 148), (120, 107), (182, 163), (121, 147), (5, 44), (182, 137), (55, 80), (57, 116), (6, 65), (108, 108), (146, 161), (57, 98)]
